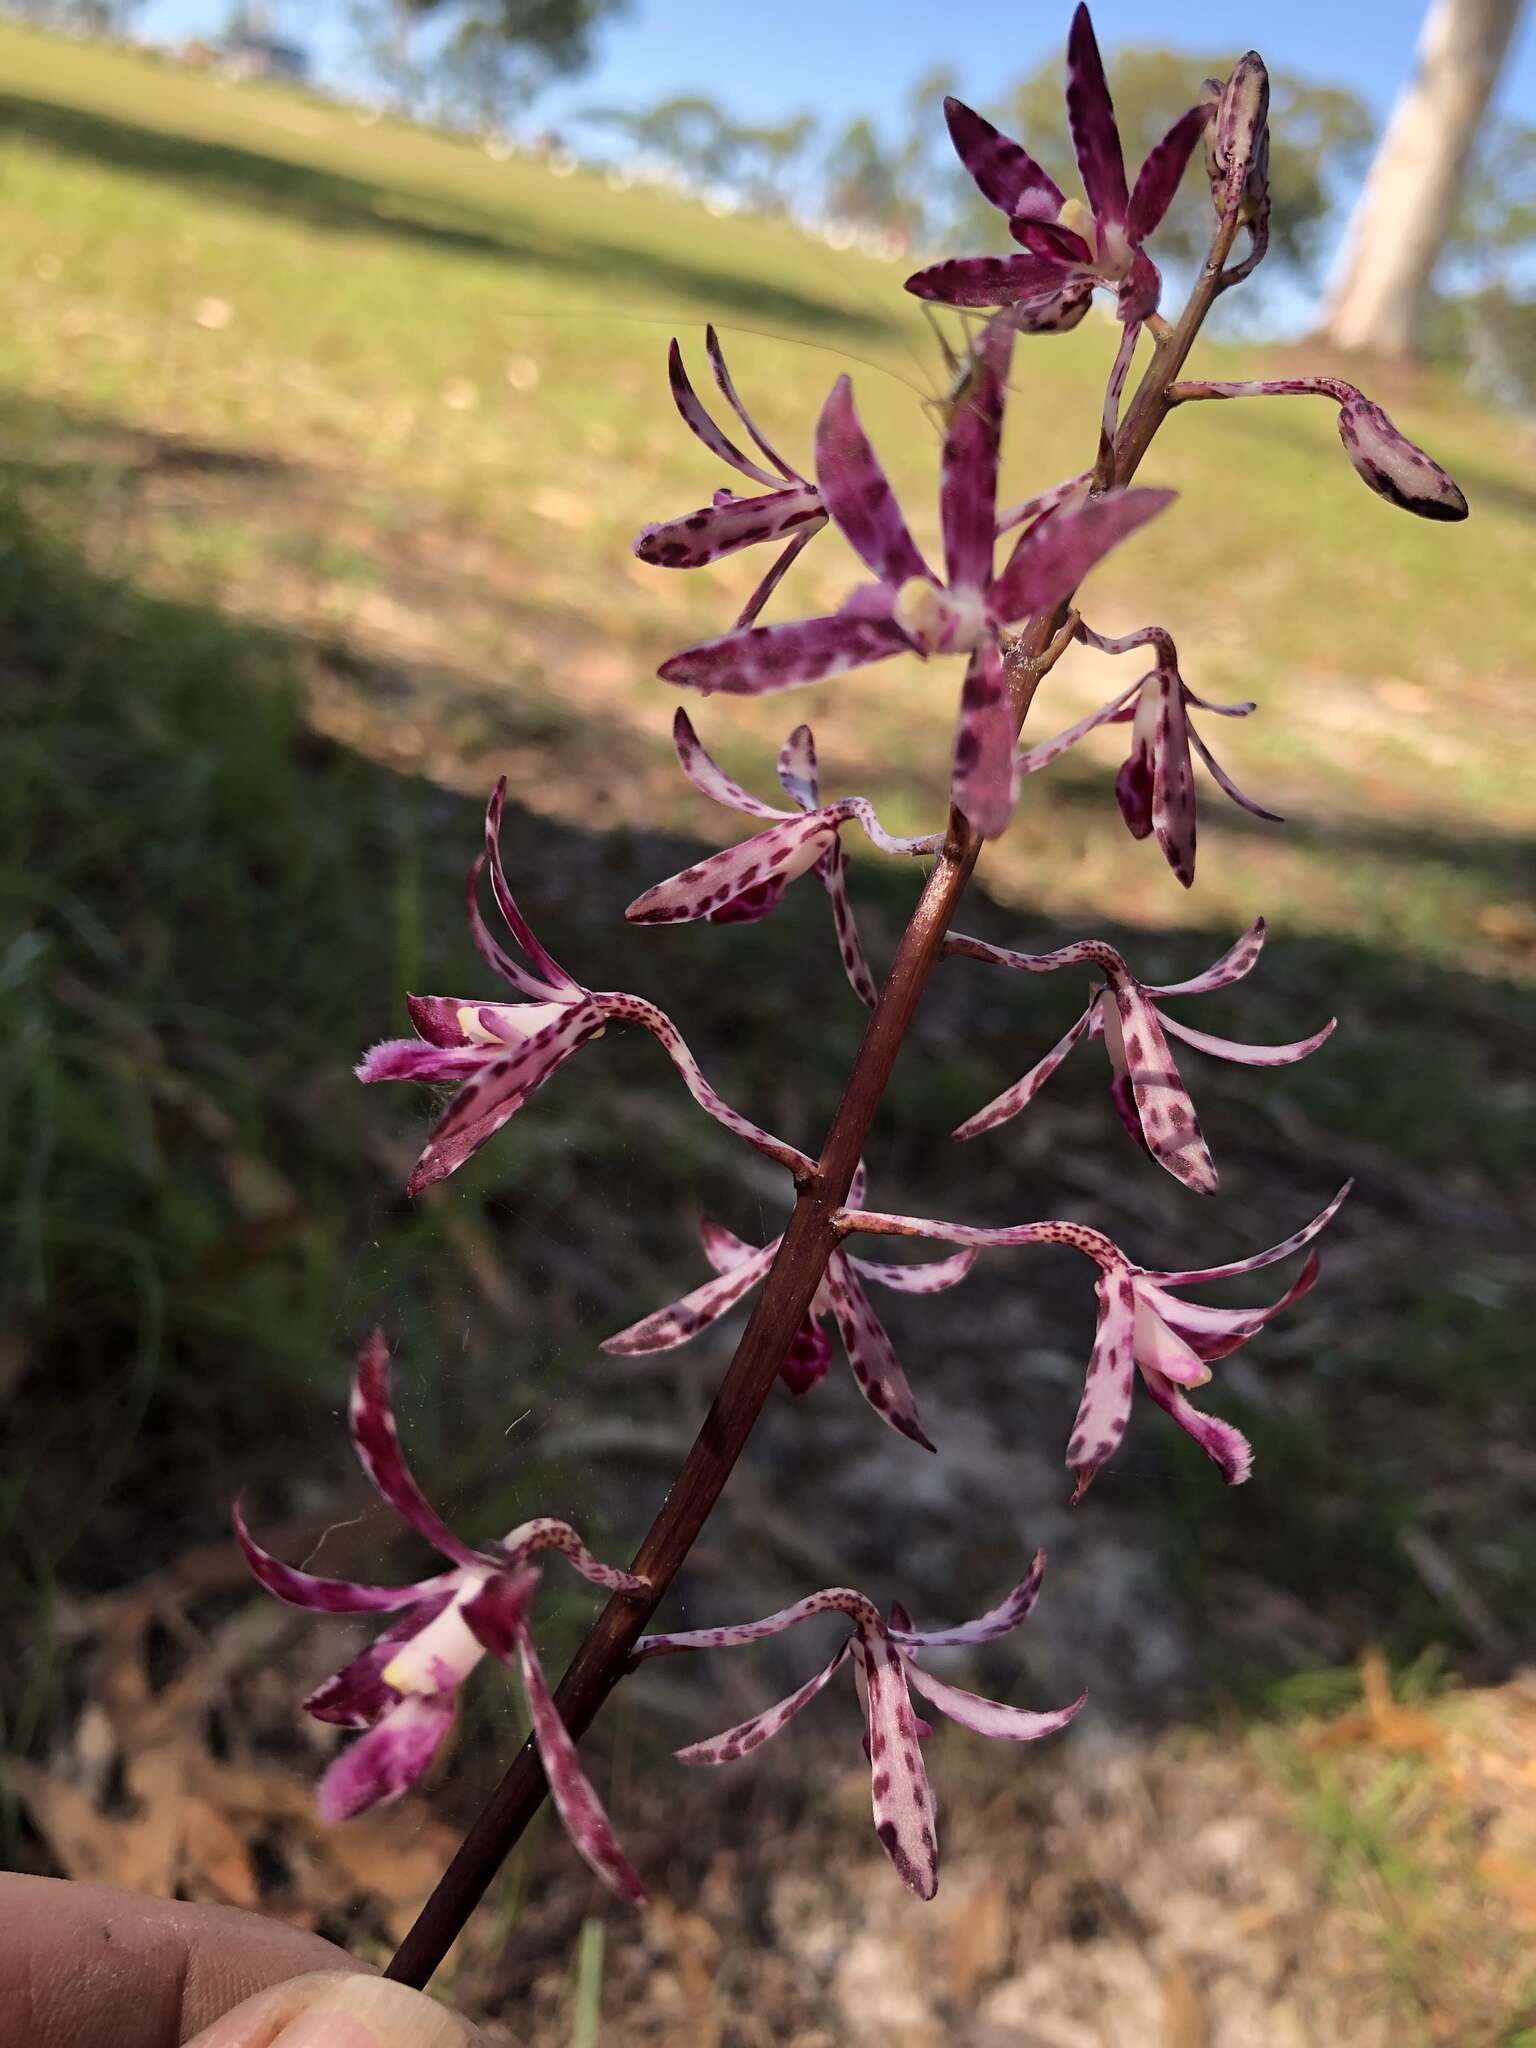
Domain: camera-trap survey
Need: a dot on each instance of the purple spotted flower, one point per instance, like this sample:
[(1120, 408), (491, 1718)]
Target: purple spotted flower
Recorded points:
[(744, 883), (499, 1053), (1143, 1327), (740, 1266), (401, 1691), (908, 610), (1155, 788), (884, 1655), (1150, 1098), (790, 508), (1068, 248)]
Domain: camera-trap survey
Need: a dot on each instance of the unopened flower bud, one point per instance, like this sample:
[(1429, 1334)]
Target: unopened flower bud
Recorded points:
[(1237, 137), (1393, 467)]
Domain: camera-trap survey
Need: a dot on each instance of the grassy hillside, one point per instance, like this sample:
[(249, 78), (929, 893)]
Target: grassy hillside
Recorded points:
[(321, 447)]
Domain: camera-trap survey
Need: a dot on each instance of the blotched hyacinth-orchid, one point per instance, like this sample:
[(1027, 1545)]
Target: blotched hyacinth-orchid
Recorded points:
[(884, 1654), (1142, 1327), (1155, 788), (744, 883), (402, 1690), (499, 1053), (1149, 1096), (908, 610), (790, 509), (740, 1267), (1069, 248)]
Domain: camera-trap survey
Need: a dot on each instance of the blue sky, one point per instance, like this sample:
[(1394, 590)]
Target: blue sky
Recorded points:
[(841, 57)]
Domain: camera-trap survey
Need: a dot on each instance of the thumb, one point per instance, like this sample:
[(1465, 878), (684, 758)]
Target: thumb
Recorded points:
[(335, 2010)]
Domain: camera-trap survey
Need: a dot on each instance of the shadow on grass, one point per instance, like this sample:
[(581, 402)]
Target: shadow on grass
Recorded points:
[(346, 205), (212, 911)]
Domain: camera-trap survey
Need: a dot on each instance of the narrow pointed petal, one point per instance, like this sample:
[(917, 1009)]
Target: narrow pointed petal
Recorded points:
[(1050, 239), (858, 494), (1158, 179), (797, 769), (544, 962), (934, 1276), (991, 1717), (1173, 813), (706, 776), (1213, 1333), (493, 953), (1105, 1408), (1004, 173), (830, 1600), (714, 885), (1251, 1055), (832, 870), (1139, 1051), (578, 1806), (1032, 759), (699, 423), (724, 1250), (998, 1621), (1239, 960), (371, 1417), (1003, 281), (389, 1759), (728, 389), (356, 1696), (749, 612), (1225, 1446), (898, 1783), (1091, 118), (492, 1096), (875, 1366), (749, 1735), (680, 1320), (331, 1596), (1294, 1243), (968, 464), (1024, 1090), (636, 1010), (695, 539), (981, 784), (1227, 786), (1051, 558), (758, 661)]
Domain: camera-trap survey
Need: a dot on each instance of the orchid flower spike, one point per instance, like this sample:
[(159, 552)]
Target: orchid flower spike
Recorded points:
[(1150, 1098), (744, 883), (1069, 248), (908, 610), (740, 1266), (791, 507), (1155, 788), (402, 1689), (1142, 1327), (884, 1655), (500, 1053)]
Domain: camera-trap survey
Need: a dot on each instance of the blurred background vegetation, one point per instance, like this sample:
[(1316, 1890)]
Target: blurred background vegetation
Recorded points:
[(324, 431)]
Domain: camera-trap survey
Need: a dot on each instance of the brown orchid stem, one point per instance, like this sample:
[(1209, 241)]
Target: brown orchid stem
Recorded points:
[(810, 1238)]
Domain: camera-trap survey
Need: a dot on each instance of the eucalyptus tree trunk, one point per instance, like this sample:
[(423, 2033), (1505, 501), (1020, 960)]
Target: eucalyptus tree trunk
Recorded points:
[(1380, 289)]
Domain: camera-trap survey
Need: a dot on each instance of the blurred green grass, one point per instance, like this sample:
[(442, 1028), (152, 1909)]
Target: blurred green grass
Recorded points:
[(323, 445)]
